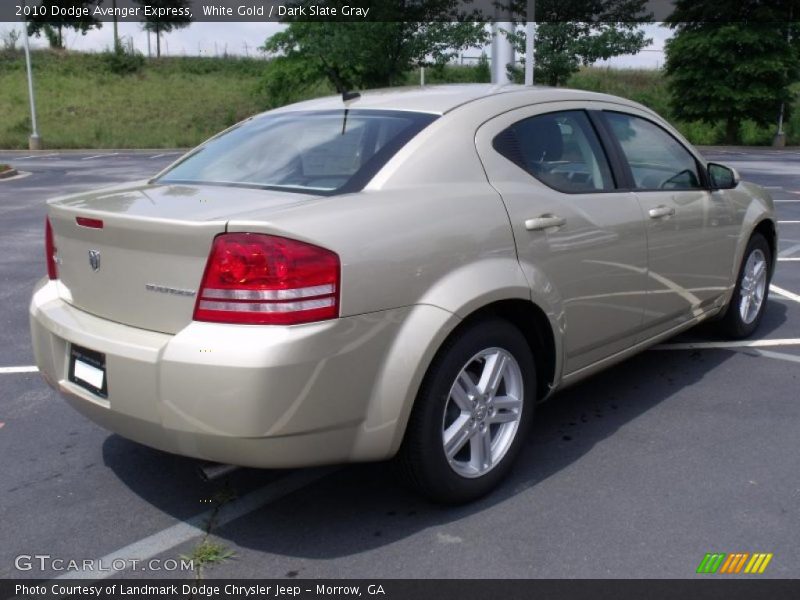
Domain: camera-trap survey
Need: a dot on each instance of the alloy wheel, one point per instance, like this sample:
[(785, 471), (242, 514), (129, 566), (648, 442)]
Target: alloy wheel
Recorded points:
[(482, 412), (753, 286)]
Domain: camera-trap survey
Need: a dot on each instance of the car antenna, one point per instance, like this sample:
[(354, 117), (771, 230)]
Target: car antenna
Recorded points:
[(348, 98)]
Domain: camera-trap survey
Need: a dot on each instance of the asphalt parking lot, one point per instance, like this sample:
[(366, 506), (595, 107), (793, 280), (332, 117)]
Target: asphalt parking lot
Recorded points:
[(689, 448)]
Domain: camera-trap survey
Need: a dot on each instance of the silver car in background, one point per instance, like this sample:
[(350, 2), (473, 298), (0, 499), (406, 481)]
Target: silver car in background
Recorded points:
[(405, 276)]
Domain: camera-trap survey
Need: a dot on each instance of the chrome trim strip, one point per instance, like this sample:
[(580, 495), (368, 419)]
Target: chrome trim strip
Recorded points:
[(267, 307), (291, 294)]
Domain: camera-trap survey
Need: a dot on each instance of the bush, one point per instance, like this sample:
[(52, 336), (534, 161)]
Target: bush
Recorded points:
[(286, 80), (438, 74), (123, 62)]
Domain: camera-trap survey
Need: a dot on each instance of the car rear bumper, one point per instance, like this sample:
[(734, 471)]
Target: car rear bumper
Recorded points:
[(248, 395)]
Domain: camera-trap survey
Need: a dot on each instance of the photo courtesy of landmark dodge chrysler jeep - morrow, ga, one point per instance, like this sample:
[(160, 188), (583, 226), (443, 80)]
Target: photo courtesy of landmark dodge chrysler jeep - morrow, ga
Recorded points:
[(399, 275)]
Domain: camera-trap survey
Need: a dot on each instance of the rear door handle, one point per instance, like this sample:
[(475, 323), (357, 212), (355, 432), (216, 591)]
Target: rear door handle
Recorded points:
[(659, 212), (544, 222)]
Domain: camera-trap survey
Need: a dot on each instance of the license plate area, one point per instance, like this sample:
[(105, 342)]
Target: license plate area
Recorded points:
[(87, 369)]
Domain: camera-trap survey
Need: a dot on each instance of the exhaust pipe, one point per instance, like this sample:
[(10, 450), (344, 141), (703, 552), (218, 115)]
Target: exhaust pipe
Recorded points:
[(212, 471)]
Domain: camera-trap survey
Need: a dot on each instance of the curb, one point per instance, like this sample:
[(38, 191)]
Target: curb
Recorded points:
[(93, 150), (747, 148), (10, 173)]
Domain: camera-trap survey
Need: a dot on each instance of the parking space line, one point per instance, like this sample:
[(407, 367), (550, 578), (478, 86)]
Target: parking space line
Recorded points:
[(165, 154), (785, 293), (184, 531), (10, 370), (788, 222), (778, 355), (789, 251), (100, 156), (37, 156), (739, 344), (789, 260)]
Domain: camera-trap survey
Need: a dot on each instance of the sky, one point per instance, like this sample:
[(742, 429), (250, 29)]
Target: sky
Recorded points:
[(210, 39)]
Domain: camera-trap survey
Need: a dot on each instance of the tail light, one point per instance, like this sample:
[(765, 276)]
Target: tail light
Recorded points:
[(50, 251), (258, 279)]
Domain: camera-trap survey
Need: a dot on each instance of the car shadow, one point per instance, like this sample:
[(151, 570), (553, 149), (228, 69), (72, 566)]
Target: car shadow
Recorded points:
[(362, 507)]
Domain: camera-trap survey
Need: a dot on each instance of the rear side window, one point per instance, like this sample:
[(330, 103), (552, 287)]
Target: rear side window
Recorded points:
[(319, 152), (559, 149), (657, 160)]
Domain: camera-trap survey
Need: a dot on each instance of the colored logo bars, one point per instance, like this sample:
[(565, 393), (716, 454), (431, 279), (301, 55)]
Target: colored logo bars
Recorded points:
[(720, 562)]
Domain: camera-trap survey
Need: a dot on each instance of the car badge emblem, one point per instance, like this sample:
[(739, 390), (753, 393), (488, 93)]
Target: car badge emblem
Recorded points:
[(94, 259)]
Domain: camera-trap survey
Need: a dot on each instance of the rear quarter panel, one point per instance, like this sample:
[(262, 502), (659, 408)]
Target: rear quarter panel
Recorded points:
[(429, 233)]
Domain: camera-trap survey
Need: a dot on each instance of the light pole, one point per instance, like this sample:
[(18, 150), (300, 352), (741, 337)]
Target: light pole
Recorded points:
[(34, 142), (530, 31), (779, 141), (502, 48)]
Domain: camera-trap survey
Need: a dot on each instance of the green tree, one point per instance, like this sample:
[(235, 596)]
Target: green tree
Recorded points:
[(571, 33), (483, 71), (162, 25), (731, 71), (359, 55), (53, 26), (287, 80)]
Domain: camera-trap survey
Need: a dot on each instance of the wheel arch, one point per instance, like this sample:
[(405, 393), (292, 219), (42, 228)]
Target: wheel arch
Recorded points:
[(396, 390), (769, 230), (534, 324)]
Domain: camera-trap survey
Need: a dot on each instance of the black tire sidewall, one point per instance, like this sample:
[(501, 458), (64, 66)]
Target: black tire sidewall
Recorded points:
[(435, 477), (732, 324)]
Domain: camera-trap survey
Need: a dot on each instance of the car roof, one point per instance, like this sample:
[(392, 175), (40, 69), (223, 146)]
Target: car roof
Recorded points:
[(441, 99)]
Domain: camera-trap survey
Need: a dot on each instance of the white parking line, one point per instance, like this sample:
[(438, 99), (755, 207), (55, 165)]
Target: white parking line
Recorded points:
[(778, 355), (37, 156), (789, 251), (165, 154), (788, 222), (100, 156), (789, 260), (10, 370), (195, 527), (785, 293), (741, 344)]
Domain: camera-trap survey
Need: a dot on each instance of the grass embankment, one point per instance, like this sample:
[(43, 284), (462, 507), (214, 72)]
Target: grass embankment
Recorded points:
[(169, 103), (180, 101)]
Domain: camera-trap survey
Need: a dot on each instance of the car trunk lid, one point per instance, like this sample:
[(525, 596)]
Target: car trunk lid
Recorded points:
[(139, 258)]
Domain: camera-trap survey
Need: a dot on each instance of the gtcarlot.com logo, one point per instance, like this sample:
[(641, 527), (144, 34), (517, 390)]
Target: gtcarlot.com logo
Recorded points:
[(45, 562), (736, 563)]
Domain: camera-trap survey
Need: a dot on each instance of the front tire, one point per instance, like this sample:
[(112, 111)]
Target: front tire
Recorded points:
[(746, 308), (472, 413)]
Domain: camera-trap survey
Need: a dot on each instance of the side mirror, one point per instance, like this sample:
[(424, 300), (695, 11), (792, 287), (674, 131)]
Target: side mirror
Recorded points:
[(722, 177)]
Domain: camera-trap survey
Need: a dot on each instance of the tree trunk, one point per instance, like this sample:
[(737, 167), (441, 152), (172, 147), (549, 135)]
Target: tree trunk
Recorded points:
[(158, 42), (731, 131)]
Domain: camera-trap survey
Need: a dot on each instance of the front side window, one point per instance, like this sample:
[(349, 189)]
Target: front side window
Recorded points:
[(559, 149), (319, 152), (657, 160)]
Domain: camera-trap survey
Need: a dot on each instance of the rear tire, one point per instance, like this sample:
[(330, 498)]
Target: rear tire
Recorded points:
[(746, 308), (472, 414)]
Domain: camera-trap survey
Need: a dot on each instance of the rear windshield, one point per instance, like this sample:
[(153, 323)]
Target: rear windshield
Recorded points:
[(320, 152)]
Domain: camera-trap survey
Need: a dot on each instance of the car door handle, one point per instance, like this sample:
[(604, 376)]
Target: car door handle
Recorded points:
[(659, 212), (544, 222)]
